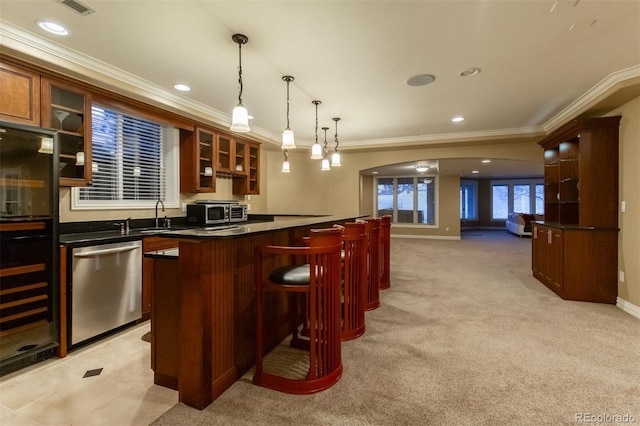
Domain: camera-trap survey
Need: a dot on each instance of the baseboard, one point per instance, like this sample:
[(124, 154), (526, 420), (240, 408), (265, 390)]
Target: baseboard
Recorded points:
[(628, 307), (426, 237)]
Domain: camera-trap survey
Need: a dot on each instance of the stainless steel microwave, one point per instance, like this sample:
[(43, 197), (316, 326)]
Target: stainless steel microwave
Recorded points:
[(207, 214)]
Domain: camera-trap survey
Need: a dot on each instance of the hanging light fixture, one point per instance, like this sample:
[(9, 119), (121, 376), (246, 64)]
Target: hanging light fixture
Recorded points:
[(335, 157), (288, 141), (325, 160), (240, 117), (316, 149), (285, 164)]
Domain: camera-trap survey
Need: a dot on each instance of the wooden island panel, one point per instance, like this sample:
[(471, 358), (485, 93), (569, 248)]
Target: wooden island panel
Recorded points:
[(203, 311)]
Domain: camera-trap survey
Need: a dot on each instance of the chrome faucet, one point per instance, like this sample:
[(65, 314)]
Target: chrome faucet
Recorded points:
[(158, 202)]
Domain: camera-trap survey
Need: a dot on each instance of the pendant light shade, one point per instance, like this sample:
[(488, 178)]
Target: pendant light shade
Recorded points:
[(240, 119), (325, 165), (335, 157), (288, 140), (335, 160), (286, 168), (240, 116), (316, 149)]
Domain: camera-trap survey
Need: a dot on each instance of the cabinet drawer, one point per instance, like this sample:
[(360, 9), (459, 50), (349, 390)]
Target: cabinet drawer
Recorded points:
[(158, 243)]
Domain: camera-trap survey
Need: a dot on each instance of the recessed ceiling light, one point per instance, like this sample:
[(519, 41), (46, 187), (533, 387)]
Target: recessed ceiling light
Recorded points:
[(469, 72), (374, 173), (486, 161), (421, 168), (475, 171), (457, 119), (53, 28), (182, 87), (421, 80)]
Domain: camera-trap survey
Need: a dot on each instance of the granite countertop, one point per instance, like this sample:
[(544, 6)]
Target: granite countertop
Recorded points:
[(86, 236), (238, 230)]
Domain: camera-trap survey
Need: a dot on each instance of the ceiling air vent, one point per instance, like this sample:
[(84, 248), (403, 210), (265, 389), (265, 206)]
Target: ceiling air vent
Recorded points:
[(77, 6)]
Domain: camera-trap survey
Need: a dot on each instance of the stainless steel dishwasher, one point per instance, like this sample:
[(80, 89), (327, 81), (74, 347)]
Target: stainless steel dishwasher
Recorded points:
[(106, 288)]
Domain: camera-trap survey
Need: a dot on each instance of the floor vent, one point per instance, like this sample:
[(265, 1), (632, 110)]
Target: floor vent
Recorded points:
[(12, 365), (77, 6)]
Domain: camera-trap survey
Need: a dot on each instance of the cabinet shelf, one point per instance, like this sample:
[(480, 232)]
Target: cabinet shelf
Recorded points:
[(66, 108), (23, 314), (22, 288), (19, 270), (24, 301), (22, 183)]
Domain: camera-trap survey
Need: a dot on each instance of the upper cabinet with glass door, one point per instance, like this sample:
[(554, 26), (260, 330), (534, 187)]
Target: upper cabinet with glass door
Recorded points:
[(68, 110)]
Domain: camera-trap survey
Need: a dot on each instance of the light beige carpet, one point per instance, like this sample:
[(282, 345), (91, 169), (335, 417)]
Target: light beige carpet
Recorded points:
[(465, 336)]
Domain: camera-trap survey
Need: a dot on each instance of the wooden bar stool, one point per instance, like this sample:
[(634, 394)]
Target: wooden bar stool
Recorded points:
[(385, 252), (354, 276), (373, 263), (319, 280)]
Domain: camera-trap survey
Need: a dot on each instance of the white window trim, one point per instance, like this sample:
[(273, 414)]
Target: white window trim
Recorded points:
[(172, 161), (511, 183), (395, 205)]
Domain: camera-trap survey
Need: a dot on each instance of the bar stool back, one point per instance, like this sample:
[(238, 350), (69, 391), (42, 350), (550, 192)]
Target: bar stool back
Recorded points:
[(319, 280), (385, 252), (354, 277), (373, 263)]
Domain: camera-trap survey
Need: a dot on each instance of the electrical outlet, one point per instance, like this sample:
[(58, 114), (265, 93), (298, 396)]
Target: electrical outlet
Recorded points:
[(446, 229), (621, 276), (623, 206), (184, 207), (248, 207)]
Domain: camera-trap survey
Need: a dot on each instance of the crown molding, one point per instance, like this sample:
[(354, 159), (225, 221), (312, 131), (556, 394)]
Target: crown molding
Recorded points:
[(604, 88), (484, 135)]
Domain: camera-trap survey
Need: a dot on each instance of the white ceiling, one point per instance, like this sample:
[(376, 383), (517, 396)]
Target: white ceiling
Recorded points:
[(540, 67)]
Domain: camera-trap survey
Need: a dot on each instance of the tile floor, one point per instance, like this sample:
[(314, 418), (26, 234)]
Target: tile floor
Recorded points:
[(54, 392)]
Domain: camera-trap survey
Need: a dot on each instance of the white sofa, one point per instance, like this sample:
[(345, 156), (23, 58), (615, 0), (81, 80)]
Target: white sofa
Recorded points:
[(520, 223)]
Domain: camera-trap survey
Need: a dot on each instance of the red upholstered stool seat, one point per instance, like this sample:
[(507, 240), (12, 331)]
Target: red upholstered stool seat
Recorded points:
[(318, 280)]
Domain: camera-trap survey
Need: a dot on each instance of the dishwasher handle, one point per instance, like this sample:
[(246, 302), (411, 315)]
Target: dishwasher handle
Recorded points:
[(105, 251)]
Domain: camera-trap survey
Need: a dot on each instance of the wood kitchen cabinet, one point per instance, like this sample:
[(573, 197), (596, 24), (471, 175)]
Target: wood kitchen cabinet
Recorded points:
[(197, 160), (207, 154), (20, 99), (575, 249), (67, 108), (248, 183), (151, 244)]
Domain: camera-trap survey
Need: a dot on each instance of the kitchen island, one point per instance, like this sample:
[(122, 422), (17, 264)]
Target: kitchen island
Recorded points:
[(203, 314)]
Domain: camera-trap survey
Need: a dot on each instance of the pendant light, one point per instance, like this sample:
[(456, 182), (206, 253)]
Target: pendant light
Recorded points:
[(335, 158), (316, 149), (325, 160), (285, 164), (288, 141), (240, 116)]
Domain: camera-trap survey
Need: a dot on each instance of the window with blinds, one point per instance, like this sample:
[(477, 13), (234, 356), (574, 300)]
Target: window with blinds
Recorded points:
[(132, 162)]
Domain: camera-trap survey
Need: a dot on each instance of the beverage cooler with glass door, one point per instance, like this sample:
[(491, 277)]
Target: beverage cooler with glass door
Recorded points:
[(29, 276)]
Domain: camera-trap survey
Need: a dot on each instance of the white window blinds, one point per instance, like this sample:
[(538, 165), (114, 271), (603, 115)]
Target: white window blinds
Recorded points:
[(129, 161)]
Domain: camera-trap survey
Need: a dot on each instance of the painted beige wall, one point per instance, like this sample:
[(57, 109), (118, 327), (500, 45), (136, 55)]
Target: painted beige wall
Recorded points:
[(307, 190), (629, 221)]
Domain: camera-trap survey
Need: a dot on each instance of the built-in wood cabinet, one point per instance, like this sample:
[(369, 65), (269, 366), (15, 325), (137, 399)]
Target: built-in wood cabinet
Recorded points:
[(574, 251), (197, 160), (207, 154), (248, 183), (20, 99), (68, 109)]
